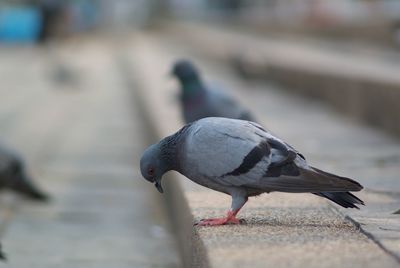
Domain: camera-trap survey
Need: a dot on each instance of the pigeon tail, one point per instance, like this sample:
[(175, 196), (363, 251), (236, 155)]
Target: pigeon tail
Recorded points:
[(294, 179), (3, 256), (30, 191), (344, 199), (349, 184)]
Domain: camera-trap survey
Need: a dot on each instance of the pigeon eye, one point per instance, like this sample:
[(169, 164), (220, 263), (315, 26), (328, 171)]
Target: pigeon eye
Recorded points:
[(150, 171)]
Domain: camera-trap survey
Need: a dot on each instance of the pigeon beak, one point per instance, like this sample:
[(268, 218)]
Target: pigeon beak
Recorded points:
[(158, 185)]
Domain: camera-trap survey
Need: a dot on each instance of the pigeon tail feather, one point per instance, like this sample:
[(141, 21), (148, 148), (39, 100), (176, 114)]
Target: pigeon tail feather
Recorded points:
[(351, 185), (344, 199), (30, 191)]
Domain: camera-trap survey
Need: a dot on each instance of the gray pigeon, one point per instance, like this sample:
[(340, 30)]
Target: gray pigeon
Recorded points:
[(14, 177), (241, 159), (199, 100), (2, 255)]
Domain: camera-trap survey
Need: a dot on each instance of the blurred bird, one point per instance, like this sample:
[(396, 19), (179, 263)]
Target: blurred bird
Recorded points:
[(13, 177), (199, 100), (64, 75), (2, 255), (241, 159)]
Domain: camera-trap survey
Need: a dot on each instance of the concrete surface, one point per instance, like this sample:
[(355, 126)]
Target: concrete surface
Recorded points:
[(362, 83), (282, 230), (68, 111), (376, 32)]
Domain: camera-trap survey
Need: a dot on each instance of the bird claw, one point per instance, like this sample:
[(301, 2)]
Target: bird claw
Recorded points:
[(218, 221)]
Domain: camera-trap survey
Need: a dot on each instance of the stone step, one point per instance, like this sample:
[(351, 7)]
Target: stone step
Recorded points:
[(362, 86)]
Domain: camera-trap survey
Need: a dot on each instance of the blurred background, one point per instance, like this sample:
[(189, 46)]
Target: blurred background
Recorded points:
[(324, 75), (375, 21)]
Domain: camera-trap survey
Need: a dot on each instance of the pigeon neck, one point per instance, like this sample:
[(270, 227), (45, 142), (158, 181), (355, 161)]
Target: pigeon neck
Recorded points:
[(170, 147), (191, 86)]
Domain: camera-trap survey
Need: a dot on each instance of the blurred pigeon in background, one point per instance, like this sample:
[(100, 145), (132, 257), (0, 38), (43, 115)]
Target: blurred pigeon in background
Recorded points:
[(13, 177), (64, 75), (2, 255), (198, 100), (241, 159)]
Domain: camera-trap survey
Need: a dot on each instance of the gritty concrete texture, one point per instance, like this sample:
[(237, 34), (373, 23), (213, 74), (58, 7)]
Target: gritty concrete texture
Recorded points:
[(363, 85), (82, 142), (281, 230)]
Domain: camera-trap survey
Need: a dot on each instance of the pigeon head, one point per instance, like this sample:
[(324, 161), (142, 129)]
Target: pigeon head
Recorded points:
[(162, 157), (185, 71), (152, 166)]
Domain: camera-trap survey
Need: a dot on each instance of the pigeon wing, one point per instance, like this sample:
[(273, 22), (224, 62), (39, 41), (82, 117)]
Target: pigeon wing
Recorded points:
[(289, 172), (219, 147)]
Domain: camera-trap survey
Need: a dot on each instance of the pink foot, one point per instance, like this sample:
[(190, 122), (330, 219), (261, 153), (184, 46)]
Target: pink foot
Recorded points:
[(229, 219)]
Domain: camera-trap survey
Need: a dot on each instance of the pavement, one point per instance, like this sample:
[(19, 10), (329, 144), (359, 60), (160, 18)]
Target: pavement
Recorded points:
[(224, 40), (67, 109), (282, 230)]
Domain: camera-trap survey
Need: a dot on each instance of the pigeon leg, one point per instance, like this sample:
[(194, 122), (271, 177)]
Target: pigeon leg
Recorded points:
[(237, 203)]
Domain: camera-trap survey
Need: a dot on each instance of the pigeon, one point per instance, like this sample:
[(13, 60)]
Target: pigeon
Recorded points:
[(198, 100), (240, 158), (14, 177), (3, 256)]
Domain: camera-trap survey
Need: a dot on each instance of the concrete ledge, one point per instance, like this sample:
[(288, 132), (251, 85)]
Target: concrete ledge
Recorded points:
[(364, 88), (191, 248), (378, 31), (371, 100)]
